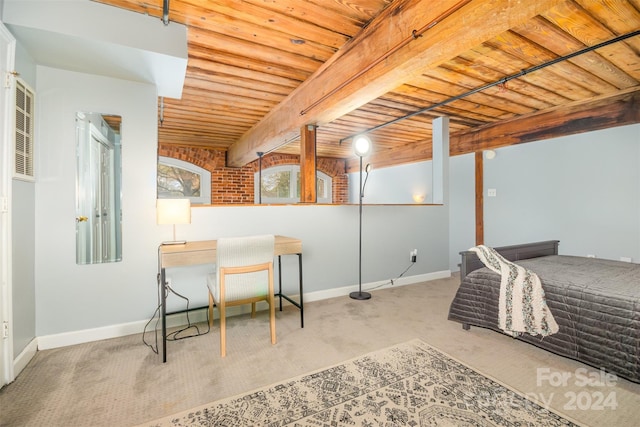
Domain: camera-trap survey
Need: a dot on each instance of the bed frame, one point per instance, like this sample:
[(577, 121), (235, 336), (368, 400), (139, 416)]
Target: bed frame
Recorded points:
[(598, 328), (470, 260)]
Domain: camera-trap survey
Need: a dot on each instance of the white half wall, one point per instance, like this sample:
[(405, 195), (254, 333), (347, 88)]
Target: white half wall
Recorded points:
[(329, 237)]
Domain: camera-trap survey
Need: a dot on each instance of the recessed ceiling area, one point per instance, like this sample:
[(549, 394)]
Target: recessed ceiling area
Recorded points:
[(107, 41)]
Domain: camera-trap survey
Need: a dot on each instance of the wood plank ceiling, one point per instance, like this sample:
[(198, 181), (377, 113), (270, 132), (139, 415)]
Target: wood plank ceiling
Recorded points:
[(259, 70)]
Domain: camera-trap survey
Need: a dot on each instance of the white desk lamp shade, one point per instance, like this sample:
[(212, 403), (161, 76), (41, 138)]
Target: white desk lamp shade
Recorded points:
[(173, 211)]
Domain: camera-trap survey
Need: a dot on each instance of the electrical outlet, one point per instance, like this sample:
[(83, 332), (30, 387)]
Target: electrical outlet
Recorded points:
[(413, 255), (5, 329)]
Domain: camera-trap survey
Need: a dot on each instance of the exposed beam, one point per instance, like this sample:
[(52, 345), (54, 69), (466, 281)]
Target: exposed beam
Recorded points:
[(601, 113), (604, 112), (479, 198), (408, 37), (308, 192)]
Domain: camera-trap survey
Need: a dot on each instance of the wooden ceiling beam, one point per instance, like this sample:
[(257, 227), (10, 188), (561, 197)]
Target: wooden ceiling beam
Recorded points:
[(408, 37), (604, 112)]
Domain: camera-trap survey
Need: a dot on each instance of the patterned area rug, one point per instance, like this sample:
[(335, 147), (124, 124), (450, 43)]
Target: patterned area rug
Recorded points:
[(411, 384)]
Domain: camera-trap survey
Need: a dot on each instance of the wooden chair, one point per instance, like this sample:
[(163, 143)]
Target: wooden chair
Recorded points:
[(244, 275)]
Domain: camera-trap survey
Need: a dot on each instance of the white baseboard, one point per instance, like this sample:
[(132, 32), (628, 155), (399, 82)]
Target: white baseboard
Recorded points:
[(114, 331), (20, 362), (373, 286)]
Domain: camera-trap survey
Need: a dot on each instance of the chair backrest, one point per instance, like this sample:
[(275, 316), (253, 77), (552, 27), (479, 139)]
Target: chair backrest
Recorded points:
[(239, 252)]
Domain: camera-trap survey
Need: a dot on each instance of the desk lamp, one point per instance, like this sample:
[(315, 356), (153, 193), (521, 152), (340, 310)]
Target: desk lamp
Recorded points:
[(173, 211)]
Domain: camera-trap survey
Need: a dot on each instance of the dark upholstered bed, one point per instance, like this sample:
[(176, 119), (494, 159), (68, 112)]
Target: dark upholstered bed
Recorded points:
[(596, 303)]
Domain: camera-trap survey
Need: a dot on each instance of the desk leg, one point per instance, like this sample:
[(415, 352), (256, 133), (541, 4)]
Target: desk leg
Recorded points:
[(301, 292), (280, 280), (163, 290), (280, 295)]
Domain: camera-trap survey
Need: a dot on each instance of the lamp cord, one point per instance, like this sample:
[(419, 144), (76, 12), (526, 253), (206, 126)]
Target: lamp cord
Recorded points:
[(391, 280), (173, 336), (156, 315)]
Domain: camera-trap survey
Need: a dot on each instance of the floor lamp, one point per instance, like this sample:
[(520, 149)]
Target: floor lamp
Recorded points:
[(361, 146)]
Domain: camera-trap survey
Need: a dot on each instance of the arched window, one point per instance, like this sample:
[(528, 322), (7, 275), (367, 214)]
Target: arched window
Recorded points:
[(178, 179), (281, 184)]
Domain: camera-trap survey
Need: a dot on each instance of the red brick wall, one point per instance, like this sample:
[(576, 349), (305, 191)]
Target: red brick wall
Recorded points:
[(235, 185)]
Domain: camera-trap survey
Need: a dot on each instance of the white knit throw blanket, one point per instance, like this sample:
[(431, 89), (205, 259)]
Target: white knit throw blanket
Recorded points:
[(522, 307)]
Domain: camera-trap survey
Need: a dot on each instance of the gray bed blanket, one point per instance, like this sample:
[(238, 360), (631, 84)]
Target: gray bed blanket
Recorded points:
[(595, 302)]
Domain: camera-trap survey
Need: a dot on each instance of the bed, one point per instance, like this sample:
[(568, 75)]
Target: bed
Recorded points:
[(596, 303)]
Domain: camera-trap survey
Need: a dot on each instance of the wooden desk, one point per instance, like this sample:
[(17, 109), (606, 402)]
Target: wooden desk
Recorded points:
[(204, 252)]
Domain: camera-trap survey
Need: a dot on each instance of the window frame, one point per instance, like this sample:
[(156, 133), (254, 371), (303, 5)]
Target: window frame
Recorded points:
[(205, 180), (294, 171)]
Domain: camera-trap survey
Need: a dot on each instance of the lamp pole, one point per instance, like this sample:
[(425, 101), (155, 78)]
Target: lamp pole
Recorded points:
[(361, 146)]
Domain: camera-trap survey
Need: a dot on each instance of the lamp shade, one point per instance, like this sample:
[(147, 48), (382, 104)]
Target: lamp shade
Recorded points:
[(173, 211), (418, 197), (361, 145)]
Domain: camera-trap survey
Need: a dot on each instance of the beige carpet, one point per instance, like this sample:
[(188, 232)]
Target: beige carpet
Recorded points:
[(120, 382), (409, 384)]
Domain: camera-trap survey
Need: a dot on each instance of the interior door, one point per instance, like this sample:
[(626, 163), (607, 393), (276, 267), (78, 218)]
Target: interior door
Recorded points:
[(7, 52)]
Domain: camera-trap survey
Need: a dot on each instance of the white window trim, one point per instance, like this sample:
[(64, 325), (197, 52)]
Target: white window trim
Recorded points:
[(294, 169), (205, 180)]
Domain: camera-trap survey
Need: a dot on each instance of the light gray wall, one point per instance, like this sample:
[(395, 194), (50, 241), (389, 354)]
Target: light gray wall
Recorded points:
[(23, 232), (72, 297), (396, 184), (23, 264), (462, 208), (583, 190)]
